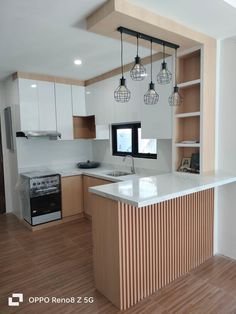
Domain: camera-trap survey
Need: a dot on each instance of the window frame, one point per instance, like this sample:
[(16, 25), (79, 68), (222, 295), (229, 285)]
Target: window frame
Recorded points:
[(134, 126)]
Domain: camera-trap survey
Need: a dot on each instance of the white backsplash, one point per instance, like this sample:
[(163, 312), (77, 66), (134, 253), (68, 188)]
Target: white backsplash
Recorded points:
[(39, 153)]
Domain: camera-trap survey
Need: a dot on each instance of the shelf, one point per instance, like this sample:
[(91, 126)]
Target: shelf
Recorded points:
[(187, 145), (189, 67), (191, 97), (189, 84), (188, 114), (84, 127)]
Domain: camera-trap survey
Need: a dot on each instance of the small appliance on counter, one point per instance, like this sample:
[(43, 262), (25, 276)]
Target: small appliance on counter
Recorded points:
[(88, 164), (41, 197)]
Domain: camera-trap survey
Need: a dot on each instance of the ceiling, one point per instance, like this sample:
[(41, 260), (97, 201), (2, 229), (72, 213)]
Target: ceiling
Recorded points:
[(45, 36), (215, 18)]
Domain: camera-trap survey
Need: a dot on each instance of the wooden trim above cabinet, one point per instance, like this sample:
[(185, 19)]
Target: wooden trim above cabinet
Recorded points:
[(70, 81), (127, 67), (114, 13), (48, 78)]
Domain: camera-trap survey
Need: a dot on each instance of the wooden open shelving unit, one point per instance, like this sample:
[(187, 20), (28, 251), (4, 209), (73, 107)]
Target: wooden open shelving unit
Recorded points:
[(187, 117), (84, 127)]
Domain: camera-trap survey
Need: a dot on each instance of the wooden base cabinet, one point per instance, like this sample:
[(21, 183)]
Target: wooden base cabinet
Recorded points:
[(72, 195), (87, 183)]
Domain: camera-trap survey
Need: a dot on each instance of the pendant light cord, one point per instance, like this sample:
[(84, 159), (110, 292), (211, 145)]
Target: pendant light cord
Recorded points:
[(151, 60), (164, 53), (121, 55), (175, 66), (137, 45)]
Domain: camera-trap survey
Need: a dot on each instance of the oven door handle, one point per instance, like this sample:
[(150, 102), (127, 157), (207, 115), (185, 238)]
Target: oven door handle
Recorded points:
[(46, 190)]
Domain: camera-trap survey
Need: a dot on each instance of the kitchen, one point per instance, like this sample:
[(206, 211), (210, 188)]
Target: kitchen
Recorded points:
[(110, 149)]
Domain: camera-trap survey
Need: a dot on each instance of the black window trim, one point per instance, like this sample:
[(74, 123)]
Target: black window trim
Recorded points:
[(134, 126)]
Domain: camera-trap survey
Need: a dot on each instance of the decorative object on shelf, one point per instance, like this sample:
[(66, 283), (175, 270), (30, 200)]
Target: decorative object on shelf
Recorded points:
[(138, 72), (122, 93), (190, 142), (195, 163), (190, 164), (175, 98), (185, 165), (164, 76), (151, 97)]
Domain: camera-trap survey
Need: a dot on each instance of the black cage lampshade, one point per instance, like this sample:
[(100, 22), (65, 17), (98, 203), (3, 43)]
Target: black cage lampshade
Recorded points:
[(175, 98), (122, 93), (164, 76), (138, 71), (151, 97)]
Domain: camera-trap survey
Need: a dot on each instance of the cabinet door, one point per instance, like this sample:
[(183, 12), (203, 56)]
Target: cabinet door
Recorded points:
[(29, 111), (99, 101), (87, 183), (72, 195), (64, 111), (47, 110), (156, 119), (78, 101)]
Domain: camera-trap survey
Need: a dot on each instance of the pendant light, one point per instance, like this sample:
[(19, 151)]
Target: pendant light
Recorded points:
[(175, 98), (164, 76), (138, 72), (151, 97), (122, 94)]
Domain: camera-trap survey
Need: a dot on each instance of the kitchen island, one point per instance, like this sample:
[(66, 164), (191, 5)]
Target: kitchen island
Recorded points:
[(149, 231)]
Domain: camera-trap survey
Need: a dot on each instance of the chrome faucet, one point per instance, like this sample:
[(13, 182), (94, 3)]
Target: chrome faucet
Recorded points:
[(132, 167)]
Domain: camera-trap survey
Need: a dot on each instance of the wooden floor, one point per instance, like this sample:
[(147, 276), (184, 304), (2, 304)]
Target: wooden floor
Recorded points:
[(58, 262)]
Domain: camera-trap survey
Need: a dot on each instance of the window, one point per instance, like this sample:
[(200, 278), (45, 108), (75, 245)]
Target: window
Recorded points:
[(126, 140)]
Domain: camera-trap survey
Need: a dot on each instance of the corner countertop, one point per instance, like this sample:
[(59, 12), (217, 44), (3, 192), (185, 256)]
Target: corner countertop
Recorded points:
[(100, 172), (144, 191)]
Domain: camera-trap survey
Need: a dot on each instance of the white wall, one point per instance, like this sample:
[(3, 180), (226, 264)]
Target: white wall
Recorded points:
[(34, 153), (9, 98), (226, 211), (102, 152), (7, 182)]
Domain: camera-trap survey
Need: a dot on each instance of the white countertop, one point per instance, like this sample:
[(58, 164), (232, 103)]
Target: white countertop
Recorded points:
[(144, 191), (100, 172)]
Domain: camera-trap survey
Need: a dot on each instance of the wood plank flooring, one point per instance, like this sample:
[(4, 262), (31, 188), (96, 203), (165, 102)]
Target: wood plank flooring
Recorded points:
[(58, 262)]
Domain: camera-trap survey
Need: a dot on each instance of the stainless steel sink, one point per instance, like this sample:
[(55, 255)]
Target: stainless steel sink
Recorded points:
[(118, 173)]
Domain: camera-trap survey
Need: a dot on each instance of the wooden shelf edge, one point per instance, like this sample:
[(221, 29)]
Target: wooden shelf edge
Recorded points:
[(189, 83), (187, 145), (188, 114)]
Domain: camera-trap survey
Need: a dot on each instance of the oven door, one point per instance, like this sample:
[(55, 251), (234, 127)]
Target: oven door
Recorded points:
[(45, 204)]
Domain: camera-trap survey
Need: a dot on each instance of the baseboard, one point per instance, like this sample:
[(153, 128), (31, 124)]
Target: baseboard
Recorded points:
[(53, 223)]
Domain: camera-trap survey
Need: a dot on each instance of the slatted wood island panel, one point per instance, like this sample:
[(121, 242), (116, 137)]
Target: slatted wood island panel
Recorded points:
[(138, 251)]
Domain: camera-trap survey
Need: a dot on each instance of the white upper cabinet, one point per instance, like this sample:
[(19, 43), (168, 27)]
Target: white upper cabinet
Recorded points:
[(29, 110), (47, 109), (37, 105), (78, 100), (156, 119), (64, 111), (99, 101)]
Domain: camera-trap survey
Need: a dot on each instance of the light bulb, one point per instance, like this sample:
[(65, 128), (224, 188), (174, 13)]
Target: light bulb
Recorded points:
[(77, 62)]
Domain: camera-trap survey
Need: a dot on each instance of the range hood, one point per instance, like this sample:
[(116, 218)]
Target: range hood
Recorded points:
[(52, 135)]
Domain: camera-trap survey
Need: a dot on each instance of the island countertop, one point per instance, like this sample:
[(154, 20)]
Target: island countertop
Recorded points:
[(144, 191)]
